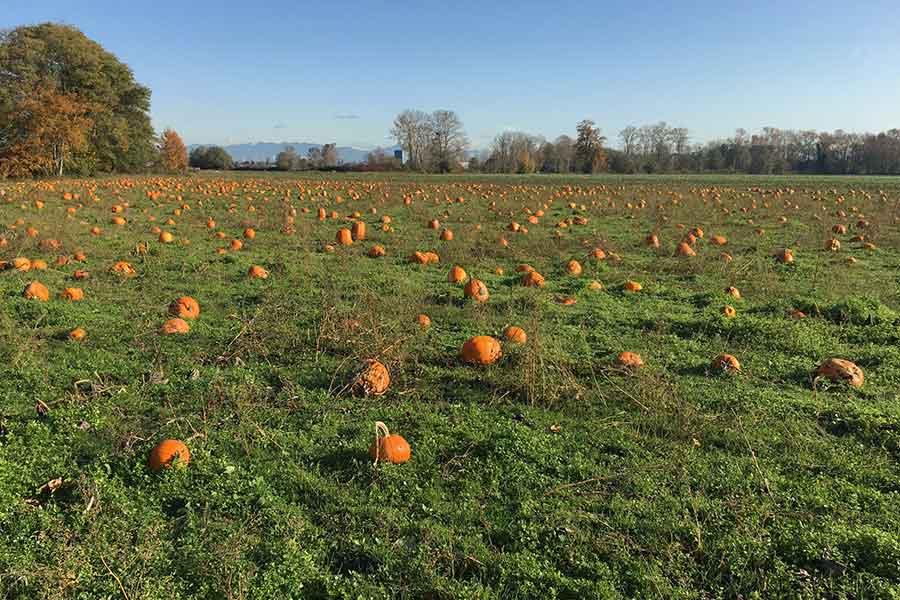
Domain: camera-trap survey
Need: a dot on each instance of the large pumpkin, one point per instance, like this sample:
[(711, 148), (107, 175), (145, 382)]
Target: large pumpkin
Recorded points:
[(481, 350), (840, 370), (476, 290)]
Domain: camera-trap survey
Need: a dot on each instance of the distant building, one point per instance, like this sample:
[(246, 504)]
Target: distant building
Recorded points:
[(398, 154)]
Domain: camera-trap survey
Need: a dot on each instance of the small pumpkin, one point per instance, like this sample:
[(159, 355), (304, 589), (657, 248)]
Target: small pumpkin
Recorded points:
[(344, 237), (37, 291), (168, 453), (77, 334), (185, 307), (371, 378), (481, 350), (515, 335), (388, 446), (533, 279), (73, 294), (632, 286), (477, 290), (840, 370), (573, 267), (175, 326), (457, 275), (376, 251), (725, 363), (729, 311), (249, 233), (257, 272), (629, 361), (424, 321), (684, 249)]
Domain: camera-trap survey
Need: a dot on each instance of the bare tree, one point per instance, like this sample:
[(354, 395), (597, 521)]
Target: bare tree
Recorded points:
[(629, 137), (412, 132), (448, 140)]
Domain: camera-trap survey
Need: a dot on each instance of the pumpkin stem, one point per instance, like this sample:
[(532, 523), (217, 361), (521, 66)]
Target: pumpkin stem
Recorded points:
[(380, 428)]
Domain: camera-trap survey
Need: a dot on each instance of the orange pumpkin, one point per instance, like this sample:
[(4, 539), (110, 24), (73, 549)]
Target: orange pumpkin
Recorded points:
[(457, 275), (476, 290), (389, 446), (840, 370), (533, 279), (168, 453), (175, 326), (358, 231), (632, 286), (73, 294), (257, 272), (515, 335), (629, 360), (344, 237), (376, 251), (481, 350), (37, 291), (370, 379), (185, 307), (725, 363), (77, 334)]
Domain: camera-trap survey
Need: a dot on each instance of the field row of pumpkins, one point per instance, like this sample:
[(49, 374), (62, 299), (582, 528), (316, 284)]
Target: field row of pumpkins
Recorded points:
[(80, 203)]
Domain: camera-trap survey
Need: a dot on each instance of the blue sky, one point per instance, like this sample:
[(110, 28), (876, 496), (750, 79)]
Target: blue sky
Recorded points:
[(231, 72)]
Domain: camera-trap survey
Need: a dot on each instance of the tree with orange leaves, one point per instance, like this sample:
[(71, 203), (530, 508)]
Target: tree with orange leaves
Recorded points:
[(47, 128), (173, 155)]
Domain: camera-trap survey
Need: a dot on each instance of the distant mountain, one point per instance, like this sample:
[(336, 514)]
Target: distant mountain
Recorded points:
[(260, 151)]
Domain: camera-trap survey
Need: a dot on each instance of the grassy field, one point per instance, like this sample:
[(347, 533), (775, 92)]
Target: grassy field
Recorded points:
[(548, 474)]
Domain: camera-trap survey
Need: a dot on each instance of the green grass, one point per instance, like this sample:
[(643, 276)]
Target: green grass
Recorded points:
[(672, 482)]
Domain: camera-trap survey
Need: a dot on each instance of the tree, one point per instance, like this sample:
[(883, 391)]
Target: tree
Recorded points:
[(120, 137), (586, 146), (210, 157), (629, 137), (286, 160), (411, 131), (329, 155), (46, 129), (448, 140), (173, 156)]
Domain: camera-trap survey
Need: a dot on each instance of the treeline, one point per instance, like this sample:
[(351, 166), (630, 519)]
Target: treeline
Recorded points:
[(67, 106), (660, 148)]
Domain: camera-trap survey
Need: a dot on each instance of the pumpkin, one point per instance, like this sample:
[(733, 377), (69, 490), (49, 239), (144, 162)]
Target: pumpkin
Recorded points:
[(481, 350), (166, 237), (598, 253), (424, 321), (236, 245), (717, 240), (389, 446), (77, 334), (185, 307), (21, 264), (371, 378), (725, 363), (80, 274), (632, 286), (652, 240), (358, 231), (168, 453), (729, 311), (832, 245), (73, 294), (515, 335), (257, 272), (39, 265), (37, 291), (629, 360), (786, 256), (457, 275), (733, 292), (249, 233), (376, 251), (684, 249), (574, 268), (840, 370), (123, 268), (533, 279), (175, 326), (434, 224), (447, 235), (476, 290)]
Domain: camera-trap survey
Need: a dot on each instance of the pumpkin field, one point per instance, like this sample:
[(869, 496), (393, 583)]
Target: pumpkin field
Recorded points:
[(406, 386)]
